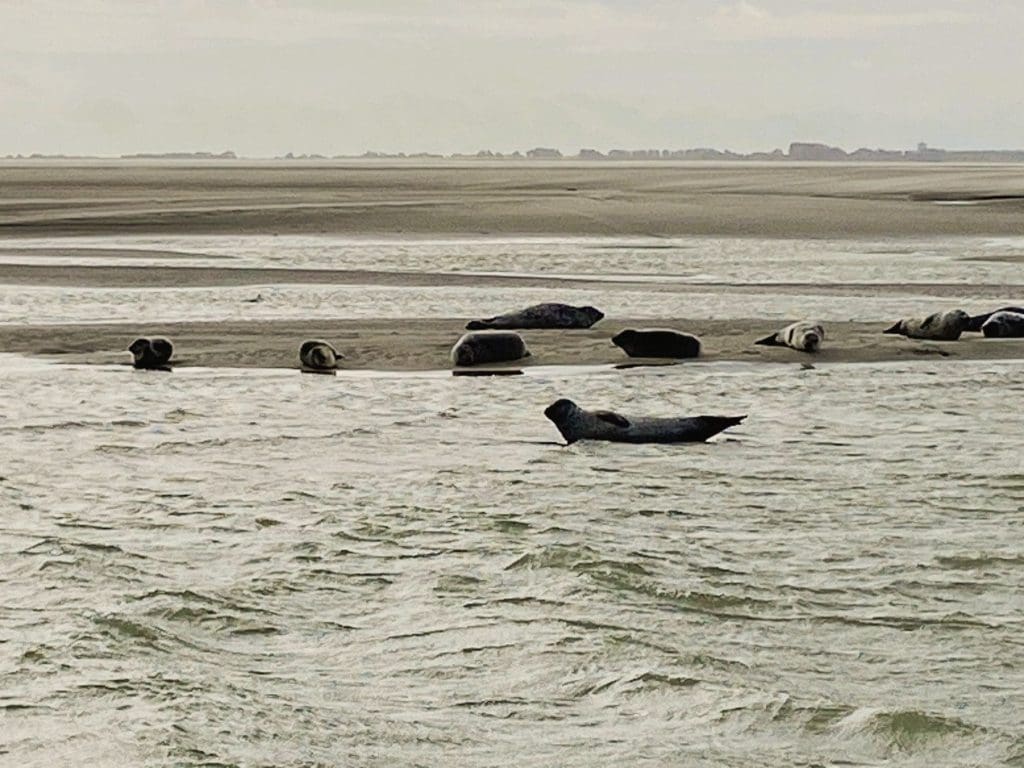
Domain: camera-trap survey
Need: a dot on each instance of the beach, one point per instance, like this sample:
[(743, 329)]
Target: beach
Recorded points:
[(646, 204)]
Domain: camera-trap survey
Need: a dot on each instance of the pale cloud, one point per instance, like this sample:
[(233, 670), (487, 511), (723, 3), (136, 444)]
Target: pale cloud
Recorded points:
[(341, 76), (745, 21)]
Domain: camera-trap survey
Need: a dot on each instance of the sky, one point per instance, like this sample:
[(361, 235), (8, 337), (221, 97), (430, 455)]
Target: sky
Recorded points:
[(266, 77)]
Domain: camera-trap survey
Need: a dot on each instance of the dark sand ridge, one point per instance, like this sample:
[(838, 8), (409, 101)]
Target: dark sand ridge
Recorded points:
[(424, 344), (735, 199), (200, 277)]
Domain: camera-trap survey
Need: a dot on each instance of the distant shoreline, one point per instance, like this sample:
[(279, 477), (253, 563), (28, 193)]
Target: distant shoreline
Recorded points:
[(798, 152)]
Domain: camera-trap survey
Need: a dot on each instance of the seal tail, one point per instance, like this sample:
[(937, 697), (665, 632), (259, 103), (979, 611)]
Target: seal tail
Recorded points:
[(894, 329), (709, 426), (477, 325), (770, 341)]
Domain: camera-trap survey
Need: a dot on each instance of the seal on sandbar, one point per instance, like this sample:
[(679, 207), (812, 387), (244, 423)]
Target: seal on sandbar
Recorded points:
[(1004, 325), (803, 336), (938, 326), (548, 315), (575, 423), (481, 347), (657, 342), (979, 320), (319, 356), (151, 354)]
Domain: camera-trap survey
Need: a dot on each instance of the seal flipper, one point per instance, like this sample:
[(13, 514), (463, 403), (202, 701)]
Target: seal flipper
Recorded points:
[(613, 418), (712, 425), (770, 341)]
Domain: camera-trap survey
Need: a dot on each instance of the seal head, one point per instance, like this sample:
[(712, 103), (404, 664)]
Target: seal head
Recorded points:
[(318, 355), (151, 354)]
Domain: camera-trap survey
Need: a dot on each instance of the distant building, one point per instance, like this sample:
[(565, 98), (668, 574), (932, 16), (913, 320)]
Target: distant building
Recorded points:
[(544, 153)]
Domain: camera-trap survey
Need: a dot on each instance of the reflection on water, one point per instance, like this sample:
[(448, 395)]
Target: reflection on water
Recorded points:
[(263, 568), (671, 263), (21, 304), (699, 259)]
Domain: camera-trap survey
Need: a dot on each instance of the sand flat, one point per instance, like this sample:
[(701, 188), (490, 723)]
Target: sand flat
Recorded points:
[(402, 199), (423, 344)]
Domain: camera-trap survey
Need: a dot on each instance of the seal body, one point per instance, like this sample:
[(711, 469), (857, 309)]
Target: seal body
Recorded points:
[(317, 355), (480, 347), (939, 326), (152, 353), (802, 335), (1004, 325), (657, 342), (977, 321), (548, 315), (575, 423)]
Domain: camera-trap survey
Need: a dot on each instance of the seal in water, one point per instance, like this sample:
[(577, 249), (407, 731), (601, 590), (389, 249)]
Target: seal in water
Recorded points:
[(549, 315), (939, 326), (979, 320), (316, 355), (489, 347), (657, 342), (151, 354), (1004, 325), (575, 423), (803, 336)]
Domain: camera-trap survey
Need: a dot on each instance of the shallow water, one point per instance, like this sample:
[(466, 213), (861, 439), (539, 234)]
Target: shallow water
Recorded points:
[(257, 567), (265, 568), (664, 262), (681, 259)]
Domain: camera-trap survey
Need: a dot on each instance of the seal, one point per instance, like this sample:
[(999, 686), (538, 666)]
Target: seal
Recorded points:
[(320, 356), (151, 354), (575, 423), (657, 342), (1004, 325), (979, 320), (548, 315), (803, 336), (489, 347), (938, 326)]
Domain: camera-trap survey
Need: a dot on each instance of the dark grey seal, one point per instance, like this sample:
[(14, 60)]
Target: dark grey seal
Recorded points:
[(320, 356), (939, 326), (803, 336), (576, 423), (1004, 325), (489, 347), (979, 320), (548, 315), (151, 354), (657, 342)]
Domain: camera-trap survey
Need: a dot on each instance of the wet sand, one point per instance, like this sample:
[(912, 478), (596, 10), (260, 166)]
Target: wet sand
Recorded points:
[(424, 344), (199, 277)]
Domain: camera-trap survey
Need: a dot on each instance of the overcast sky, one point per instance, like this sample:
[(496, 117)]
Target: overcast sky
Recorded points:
[(264, 77)]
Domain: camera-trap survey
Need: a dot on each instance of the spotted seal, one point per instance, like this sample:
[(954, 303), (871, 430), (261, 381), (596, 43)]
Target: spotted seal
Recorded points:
[(979, 320), (938, 326), (803, 336), (151, 354), (1004, 325), (657, 342), (317, 355), (547, 315), (575, 423), (480, 347)]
